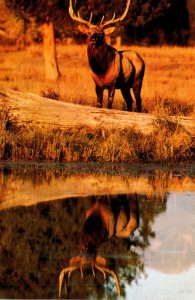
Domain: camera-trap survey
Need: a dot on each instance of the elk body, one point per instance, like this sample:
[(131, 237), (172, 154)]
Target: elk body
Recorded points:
[(111, 69), (105, 219)]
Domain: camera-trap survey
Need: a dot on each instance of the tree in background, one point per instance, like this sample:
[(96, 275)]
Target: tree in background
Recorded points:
[(46, 14), (147, 22), (10, 27), (191, 11), (157, 22)]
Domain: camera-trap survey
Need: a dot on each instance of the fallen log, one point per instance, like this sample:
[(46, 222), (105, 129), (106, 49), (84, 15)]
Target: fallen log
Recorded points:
[(17, 191), (36, 111)]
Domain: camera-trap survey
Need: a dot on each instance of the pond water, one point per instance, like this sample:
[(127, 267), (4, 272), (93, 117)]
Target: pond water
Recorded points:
[(134, 223)]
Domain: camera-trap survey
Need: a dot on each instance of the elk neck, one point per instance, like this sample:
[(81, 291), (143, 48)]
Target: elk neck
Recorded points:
[(100, 57), (95, 229)]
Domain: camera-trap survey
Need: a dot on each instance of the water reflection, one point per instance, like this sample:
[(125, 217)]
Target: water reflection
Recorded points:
[(38, 240), (22, 184), (105, 219)]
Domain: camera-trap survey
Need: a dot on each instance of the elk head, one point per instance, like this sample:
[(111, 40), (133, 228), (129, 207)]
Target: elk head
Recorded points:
[(83, 262), (96, 33)]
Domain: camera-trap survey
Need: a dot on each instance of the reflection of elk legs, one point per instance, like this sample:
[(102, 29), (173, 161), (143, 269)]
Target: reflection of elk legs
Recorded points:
[(133, 222), (108, 217)]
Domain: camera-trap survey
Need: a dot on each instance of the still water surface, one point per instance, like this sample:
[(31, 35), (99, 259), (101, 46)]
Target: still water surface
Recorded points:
[(48, 212)]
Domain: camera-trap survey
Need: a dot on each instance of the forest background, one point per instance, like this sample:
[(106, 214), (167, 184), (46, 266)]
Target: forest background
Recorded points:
[(148, 22)]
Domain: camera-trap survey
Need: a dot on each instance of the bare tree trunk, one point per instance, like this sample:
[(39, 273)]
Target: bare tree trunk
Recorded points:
[(51, 66)]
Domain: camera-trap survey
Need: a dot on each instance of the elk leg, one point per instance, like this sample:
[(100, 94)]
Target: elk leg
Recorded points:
[(111, 92), (127, 96), (137, 91), (99, 93)]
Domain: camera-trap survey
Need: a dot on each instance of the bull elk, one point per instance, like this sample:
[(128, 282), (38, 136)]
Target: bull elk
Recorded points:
[(105, 219), (111, 69)]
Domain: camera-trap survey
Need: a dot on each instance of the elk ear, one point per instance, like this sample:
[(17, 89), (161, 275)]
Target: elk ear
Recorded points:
[(109, 30), (83, 29)]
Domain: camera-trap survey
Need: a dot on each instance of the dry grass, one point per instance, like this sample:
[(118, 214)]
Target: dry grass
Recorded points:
[(168, 84), (168, 144), (168, 90)]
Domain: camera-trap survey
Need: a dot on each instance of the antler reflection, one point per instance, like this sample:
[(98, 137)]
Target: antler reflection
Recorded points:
[(80, 262)]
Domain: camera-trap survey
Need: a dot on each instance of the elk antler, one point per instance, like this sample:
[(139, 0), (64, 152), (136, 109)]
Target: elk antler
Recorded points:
[(113, 20), (78, 18), (78, 262), (88, 23)]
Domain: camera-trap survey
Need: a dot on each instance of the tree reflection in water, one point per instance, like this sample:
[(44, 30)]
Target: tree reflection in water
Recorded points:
[(38, 241)]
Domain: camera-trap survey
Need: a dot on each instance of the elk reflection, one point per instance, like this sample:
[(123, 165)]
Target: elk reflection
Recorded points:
[(105, 218)]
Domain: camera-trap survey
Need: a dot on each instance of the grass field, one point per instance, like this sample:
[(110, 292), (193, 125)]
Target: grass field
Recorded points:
[(168, 89), (168, 84)]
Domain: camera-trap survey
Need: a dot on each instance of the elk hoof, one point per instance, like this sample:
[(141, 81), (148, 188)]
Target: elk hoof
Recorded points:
[(99, 105)]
